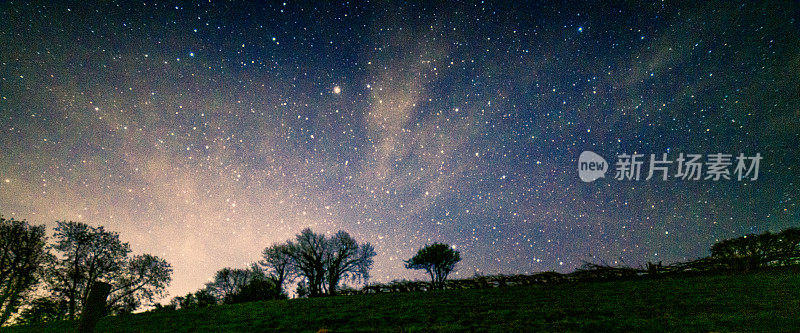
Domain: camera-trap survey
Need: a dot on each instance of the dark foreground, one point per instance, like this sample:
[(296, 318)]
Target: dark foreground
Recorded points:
[(765, 301)]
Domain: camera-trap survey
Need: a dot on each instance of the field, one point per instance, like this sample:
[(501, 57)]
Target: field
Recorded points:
[(765, 301)]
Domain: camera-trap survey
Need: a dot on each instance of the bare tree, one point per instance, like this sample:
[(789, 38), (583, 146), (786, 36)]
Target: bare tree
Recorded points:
[(308, 259), (346, 259), (322, 262)]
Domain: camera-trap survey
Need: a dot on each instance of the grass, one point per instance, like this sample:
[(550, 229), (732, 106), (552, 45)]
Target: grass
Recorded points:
[(764, 301)]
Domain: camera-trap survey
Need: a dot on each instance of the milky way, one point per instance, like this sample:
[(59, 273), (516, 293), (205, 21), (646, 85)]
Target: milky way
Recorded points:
[(204, 132)]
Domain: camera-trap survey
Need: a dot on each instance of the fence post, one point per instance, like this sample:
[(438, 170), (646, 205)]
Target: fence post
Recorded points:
[(94, 307)]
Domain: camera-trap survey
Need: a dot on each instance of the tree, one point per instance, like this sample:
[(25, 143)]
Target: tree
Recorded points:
[(87, 255), (308, 259), (204, 298), (278, 261), (322, 262), (789, 244), (346, 259), (235, 285), (22, 258), (258, 289), (158, 307), (438, 260), (229, 281), (184, 302), (144, 278), (199, 299), (302, 289), (757, 251), (42, 310)]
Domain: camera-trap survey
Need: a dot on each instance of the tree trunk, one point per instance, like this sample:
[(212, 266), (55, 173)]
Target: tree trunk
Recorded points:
[(332, 283), (94, 307)]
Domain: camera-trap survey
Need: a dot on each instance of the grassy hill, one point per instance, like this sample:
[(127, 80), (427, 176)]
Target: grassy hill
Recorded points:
[(764, 301)]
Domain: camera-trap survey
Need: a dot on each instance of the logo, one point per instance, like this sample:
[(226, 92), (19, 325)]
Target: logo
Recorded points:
[(693, 167), (591, 166)]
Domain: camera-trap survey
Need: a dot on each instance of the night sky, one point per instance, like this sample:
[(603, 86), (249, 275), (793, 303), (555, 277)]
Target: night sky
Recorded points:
[(203, 133)]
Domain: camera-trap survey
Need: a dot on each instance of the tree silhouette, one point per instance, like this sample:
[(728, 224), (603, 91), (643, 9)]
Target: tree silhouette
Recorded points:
[(228, 281), (755, 251), (438, 260), (324, 262), (277, 260), (184, 302), (22, 256), (237, 285), (302, 288), (144, 278), (42, 310), (258, 289), (204, 298), (86, 255), (346, 259), (199, 299), (308, 259)]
